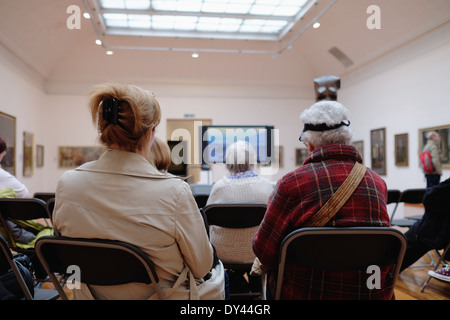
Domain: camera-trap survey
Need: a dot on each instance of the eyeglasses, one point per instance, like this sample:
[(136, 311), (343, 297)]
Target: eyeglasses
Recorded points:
[(302, 139)]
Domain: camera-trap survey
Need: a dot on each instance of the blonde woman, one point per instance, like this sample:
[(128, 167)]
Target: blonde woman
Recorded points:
[(122, 196)]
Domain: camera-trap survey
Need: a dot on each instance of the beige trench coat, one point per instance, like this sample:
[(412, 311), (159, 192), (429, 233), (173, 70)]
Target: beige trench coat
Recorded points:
[(122, 197)]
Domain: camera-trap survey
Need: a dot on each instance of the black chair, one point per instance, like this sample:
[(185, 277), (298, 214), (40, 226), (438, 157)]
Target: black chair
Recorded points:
[(413, 196), (50, 205), (344, 249), (201, 200), (23, 209), (7, 260), (101, 262), (237, 215), (44, 195)]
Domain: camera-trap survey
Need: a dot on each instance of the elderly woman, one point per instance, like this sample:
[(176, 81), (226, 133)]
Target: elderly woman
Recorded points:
[(122, 196), (300, 194)]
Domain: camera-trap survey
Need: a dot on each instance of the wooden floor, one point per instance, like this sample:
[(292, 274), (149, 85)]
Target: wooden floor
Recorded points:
[(411, 280)]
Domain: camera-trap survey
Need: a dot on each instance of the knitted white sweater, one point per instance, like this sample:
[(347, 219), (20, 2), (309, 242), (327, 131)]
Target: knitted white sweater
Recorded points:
[(235, 245)]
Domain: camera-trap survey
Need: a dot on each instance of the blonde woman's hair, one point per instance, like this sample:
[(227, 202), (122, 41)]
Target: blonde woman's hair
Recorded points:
[(160, 154), (138, 112)]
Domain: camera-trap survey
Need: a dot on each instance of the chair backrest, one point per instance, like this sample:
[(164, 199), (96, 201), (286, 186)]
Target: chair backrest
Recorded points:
[(50, 205), (393, 196), (23, 208), (101, 262), (235, 215), (342, 249), (414, 196)]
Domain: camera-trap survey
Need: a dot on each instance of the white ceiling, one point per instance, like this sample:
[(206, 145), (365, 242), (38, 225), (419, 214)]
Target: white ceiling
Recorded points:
[(35, 34)]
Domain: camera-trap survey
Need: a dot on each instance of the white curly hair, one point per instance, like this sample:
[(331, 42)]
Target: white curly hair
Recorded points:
[(330, 113)]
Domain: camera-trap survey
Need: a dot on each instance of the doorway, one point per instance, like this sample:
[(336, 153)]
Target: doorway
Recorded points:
[(189, 130)]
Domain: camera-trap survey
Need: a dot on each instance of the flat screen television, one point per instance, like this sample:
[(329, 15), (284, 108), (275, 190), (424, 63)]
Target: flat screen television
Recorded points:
[(216, 139)]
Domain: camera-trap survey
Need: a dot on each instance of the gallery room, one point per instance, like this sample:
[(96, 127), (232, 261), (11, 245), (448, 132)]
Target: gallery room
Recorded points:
[(230, 64)]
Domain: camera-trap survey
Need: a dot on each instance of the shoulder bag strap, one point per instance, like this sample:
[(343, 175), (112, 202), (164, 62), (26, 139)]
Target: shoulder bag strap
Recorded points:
[(335, 203)]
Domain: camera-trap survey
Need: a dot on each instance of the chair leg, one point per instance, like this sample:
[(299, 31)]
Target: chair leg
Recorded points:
[(431, 264)]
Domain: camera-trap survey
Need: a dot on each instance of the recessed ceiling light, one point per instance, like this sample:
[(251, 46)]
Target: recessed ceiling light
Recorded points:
[(98, 42), (195, 55), (109, 53), (87, 15), (316, 25)]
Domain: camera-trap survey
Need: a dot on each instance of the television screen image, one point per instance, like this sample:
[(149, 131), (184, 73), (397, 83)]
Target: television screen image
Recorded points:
[(216, 139)]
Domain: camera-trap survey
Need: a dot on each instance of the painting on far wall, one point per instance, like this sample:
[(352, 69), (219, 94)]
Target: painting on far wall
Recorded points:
[(444, 142), (8, 133), (72, 157), (300, 156), (378, 150), (28, 139)]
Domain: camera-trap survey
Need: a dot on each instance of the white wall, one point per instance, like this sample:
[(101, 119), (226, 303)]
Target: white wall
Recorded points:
[(24, 100), (409, 96)]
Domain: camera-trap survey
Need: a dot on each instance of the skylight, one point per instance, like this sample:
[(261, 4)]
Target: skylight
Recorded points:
[(226, 19)]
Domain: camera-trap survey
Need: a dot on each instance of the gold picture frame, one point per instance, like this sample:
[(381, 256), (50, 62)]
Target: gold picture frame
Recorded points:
[(8, 133), (378, 150), (401, 150)]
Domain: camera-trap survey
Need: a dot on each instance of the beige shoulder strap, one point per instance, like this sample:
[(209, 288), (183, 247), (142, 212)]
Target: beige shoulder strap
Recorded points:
[(335, 203)]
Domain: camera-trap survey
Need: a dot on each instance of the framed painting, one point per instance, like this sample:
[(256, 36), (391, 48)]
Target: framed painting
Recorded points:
[(378, 150), (28, 139), (8, 133), (401, 150), (444, 142), (39, 156), (300, 156), (71, 157)]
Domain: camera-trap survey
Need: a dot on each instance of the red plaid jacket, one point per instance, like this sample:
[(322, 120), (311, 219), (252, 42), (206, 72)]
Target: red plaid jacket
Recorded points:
[(296, 198)]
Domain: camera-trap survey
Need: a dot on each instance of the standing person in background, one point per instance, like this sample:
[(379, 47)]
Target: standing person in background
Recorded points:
[(122, 196), (432, 145), (7, 180)]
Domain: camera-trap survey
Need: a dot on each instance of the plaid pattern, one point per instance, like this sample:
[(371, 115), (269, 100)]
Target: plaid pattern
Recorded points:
[(297, 197)]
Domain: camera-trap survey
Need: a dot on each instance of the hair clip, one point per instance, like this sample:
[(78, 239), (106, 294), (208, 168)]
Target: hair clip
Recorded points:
[(111, 110)]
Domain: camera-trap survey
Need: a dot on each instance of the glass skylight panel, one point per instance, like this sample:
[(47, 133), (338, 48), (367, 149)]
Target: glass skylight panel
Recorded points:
[(238, 8), (185, 23), (163, 22), (262, 9), (125, 4), (202, 17), (139, 21)]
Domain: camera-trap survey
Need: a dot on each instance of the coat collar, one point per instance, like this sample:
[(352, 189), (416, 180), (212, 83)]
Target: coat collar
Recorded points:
[(336, 152), (125, 163)]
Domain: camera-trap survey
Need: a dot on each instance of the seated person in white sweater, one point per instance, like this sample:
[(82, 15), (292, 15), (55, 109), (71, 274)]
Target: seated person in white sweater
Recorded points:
[(243, 185)]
